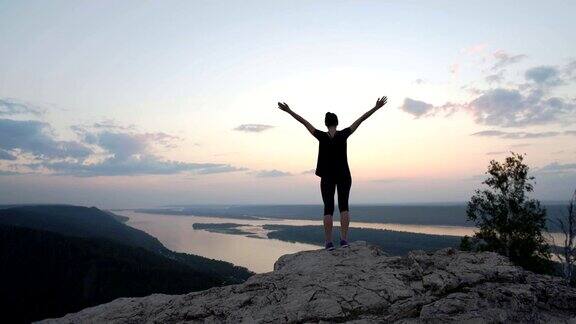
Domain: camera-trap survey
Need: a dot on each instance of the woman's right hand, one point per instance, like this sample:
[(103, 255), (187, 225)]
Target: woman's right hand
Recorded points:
[(283, 106), (381, 102)]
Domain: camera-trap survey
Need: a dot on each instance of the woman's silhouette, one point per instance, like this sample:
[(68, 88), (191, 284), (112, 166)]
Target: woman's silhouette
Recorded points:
[(332, 167)]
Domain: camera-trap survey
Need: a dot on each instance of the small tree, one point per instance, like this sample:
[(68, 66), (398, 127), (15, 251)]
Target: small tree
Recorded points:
[(567, 225), (509, 222)]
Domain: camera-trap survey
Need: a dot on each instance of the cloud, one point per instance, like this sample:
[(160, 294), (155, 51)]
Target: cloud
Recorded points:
[(311, 171), (132, 154), (556, 167), (123, 145), (496, 107), (504, 107), (220, 169), (423, 109), (11, 107), (496, 77), (9, 173), (522, 135), (101, 150), (36, 138), (271, 173), (569, 71), (134, 165), (496, 153), (253, 128), (544, 75), (416, 107), (526, 104), (471, 90), (510, 107), (5, 155), (111, 124), (504, 59)]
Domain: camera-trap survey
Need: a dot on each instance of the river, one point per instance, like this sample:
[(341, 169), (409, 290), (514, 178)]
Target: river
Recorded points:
[(256, 252)]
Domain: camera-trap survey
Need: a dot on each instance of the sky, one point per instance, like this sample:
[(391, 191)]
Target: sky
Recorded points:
[(123, 104)]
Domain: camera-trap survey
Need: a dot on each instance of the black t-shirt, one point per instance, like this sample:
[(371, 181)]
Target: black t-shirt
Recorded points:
[(332, 157)]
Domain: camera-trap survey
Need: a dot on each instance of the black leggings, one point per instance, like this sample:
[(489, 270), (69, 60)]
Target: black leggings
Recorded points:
[(328, 187)]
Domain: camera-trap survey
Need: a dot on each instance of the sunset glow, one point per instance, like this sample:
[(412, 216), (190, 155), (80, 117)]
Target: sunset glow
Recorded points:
[(137, 103)]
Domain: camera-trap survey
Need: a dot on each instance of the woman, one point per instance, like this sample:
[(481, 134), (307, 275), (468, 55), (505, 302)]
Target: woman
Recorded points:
[(332, 167)]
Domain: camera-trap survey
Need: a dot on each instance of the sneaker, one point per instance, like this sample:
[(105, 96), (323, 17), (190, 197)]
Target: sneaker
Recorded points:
[(329, 246), (344, 243)]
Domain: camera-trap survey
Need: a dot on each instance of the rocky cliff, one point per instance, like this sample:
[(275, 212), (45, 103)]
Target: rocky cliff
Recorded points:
[(362, 284)]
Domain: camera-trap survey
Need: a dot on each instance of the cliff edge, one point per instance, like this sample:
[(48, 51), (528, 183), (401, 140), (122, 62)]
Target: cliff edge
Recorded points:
[(361, 284)]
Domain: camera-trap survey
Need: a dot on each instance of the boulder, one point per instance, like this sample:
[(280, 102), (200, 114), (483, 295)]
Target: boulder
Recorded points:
[(362, 284)]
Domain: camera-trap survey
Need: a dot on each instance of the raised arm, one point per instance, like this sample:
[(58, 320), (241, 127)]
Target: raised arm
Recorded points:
[(379, 104), (283, 106)]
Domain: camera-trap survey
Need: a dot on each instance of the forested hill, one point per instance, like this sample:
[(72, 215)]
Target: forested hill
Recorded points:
[(91, 222), (57, 259), (45, 274), (88, 222)]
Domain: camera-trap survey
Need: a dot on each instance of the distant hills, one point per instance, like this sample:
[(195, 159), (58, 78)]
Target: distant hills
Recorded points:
[(400, 214), (56, 259), (452, 214)]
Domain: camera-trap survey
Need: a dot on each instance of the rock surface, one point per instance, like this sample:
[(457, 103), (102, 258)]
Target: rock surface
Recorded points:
[(362, 284)]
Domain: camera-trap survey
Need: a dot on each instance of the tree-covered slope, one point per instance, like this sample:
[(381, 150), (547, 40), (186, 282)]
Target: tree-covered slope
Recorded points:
[(45, 274), (91, 222), (58, 259)]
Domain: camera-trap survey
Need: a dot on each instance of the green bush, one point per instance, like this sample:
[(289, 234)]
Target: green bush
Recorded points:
[(509, 221)]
